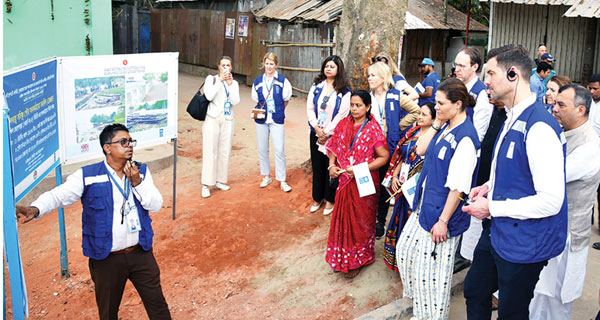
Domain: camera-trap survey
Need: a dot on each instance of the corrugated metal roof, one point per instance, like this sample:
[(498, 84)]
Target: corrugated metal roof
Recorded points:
[(421, 14), (584, 8), (541, 2)]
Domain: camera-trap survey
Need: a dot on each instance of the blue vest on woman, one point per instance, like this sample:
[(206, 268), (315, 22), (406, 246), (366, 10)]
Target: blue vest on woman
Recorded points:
[(276, 94), (393, 114), (97, 217), (338, 101), (436, 172), (531, 240), (475, 91)]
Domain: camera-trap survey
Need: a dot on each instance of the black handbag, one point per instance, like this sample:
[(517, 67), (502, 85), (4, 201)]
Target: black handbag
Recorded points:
[(198, 107)]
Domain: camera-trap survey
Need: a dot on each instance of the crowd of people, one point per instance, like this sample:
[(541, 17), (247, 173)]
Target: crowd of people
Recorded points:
[(495, 174)]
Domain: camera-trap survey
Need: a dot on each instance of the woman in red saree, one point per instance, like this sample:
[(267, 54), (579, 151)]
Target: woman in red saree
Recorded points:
[(356, 139)]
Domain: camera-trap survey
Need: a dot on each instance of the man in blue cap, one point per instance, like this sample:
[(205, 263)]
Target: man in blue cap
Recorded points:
[(429, 85), (549, 59)]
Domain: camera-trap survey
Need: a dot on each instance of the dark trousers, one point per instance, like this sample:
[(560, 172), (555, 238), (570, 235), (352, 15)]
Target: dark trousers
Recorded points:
[(382, 207), (111, 274), (321, 188), (489, 272)]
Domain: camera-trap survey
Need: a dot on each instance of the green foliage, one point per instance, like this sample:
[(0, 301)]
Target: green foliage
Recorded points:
[(164, 76), (113, 117), (149, 76), (161, 104), (480, 11)]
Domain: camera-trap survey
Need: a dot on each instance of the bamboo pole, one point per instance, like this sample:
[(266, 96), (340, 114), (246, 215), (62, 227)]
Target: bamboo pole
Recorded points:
[(320, 45), (300, 90), (299, 69)]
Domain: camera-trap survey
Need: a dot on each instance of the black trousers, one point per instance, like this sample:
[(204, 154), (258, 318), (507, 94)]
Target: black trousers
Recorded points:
[(489, 272), (321, 188), (382, 207), (111, 274)]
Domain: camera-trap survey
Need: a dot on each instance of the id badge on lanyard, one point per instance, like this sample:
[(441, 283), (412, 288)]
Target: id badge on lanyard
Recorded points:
[(404, 170), (271, 105), (227, 105), (133, 221), (322, 118)]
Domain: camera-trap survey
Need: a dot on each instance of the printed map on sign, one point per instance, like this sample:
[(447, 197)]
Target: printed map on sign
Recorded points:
[(138, 90)]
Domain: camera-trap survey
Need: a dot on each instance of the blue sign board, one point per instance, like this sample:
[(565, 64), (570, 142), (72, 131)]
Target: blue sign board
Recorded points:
[(30, 94)]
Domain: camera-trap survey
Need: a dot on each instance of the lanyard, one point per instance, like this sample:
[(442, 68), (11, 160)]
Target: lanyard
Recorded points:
[(408, 149), (127, 189), (359, 130), (226, 92), (267, 86)]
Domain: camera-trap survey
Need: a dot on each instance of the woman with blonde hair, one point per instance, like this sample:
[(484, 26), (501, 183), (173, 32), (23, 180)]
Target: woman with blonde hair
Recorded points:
[(400, 82), (554, 84), (388, 105), (272, 92)]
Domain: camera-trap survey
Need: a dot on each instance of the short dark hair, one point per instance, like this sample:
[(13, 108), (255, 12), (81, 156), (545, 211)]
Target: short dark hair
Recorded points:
[(365, 97), (595, 78), (543, 67), (582, 96), (513, 56), (474, 55), (109, 132), (431, 106)]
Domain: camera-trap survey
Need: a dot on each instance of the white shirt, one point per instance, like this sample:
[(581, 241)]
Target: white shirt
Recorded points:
[(546, 162), (579, 165), (482, 112), (400, 85), (215, 93), (594, 117), (330, 123), (286, 92), (378, 109), (462, 165), (69, 192)]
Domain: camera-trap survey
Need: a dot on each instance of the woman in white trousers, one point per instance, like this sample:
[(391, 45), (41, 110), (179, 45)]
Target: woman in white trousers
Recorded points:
[(217, 132), (271, 91)]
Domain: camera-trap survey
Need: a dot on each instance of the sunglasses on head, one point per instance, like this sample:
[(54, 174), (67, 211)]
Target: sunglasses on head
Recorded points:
[(378, 59), (124, 142)]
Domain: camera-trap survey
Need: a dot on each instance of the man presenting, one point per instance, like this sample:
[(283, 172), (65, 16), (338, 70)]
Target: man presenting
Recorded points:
[(523, 204), (116, 196), (561, 281)]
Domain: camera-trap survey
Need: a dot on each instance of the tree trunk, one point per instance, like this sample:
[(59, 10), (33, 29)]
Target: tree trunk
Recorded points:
[(366, 28)]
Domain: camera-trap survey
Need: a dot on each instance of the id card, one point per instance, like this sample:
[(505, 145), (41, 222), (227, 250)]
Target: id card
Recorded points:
[(227, 108), (404, 169), (133, 224), (322, 118), (271, 105)]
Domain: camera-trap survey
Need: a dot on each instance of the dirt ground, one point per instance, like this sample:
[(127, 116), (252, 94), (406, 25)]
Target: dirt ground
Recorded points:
[(247, 253)]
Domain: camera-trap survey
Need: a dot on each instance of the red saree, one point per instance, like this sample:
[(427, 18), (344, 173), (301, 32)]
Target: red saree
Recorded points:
[(352, 232)]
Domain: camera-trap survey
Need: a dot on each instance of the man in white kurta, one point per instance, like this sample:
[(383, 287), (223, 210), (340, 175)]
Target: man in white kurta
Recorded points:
[(561, 281)]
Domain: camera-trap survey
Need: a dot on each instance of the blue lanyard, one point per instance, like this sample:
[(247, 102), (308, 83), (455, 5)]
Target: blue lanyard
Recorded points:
[(359, 130), (267, 86), (226, 92), (127, 189), (409, 143)]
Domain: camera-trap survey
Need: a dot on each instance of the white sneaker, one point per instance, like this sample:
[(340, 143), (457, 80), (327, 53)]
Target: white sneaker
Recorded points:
[(222, 186), (314, 208), (327, 212), (266, 181), (205, 192), (285, 187)]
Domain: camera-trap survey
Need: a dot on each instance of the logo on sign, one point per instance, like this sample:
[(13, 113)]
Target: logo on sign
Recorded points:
[(33, 76), (160, 132), (125, 62), (85, 147), (362, 180), (34, 174)]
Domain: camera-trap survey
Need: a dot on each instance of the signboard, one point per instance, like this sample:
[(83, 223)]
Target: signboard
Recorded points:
[(30, 93), (137, 90)]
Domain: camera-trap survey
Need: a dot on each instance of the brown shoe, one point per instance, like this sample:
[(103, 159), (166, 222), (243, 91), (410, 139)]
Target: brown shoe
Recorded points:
[(352, 273)]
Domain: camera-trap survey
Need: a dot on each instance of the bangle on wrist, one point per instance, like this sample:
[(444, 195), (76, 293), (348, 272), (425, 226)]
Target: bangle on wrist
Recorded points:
[(330, 166), (442, 220), (435, 128)]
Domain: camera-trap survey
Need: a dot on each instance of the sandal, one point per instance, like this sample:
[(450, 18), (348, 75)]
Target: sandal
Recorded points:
[(352, 273)]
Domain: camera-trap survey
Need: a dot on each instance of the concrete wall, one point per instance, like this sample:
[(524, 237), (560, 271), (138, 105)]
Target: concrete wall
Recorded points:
[(31, 33)]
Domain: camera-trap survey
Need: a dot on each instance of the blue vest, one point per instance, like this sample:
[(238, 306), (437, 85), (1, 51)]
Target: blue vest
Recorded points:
[(276, 94), (97, 216), (393, 114), (398, 78), (436, 172), (531, 240), (338, 101), (478, 87)]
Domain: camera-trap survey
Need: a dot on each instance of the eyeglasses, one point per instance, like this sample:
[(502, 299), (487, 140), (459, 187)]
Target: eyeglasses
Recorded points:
[(124, 142), (379, 59), (459, 66), (324, 103)]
